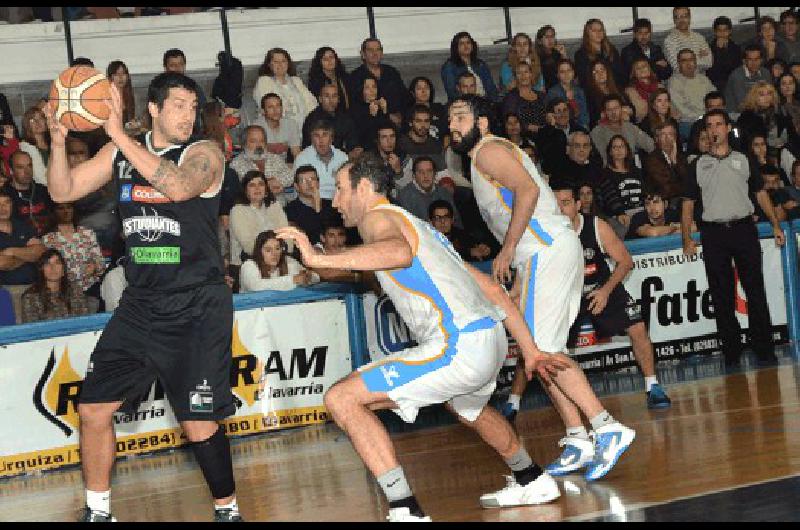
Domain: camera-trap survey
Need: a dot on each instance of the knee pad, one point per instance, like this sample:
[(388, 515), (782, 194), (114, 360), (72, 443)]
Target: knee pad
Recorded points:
[(214, 458)]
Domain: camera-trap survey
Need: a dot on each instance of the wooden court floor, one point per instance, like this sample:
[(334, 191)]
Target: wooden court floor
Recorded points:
[(722, 432)]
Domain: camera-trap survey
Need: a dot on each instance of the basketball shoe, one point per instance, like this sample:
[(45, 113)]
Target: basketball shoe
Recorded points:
[(94, 516), (403, 514), (609, 444), (543, 489), (657, 398), (577, 453), (226, 515)]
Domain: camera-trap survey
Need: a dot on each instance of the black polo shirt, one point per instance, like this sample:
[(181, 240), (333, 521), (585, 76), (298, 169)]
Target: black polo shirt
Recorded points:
[(21, 233)]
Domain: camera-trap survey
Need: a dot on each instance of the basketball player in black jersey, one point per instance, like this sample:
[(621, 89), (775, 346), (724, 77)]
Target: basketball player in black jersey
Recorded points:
[(175, 317)]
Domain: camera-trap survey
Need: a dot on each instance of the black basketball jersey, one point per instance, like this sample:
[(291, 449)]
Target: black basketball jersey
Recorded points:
[(169, 245), (596, 270)]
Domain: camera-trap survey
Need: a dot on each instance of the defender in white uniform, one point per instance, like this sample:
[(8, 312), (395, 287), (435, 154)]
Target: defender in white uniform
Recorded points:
[(456, 315), (522, 212)]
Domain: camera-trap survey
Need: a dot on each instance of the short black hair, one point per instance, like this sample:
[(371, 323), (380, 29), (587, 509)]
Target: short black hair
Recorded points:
[(480, 106), (751, 48), (561, 184), (717, 112), (265, 97), (787, 14), (369, 166), (642, 23), (82, 61), (464, 74), (367, 41), (553, 103), (612, 97), (307, 168), (173, 52), (714, 94), (333, 221), (158, 91), (321, 124), (440, 203), (418, 107), (419, 160), (722, 21), (651, 192), (382, 126), (769, 169)]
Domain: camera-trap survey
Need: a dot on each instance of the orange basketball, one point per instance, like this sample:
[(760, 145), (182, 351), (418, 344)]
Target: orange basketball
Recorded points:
[(78, 97)]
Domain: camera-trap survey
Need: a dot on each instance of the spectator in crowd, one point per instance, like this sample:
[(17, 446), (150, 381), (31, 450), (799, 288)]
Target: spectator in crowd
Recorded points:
[(566, 87), (794, 69), (36, 142), (789, 35), (9, 144), (687, 88), (280, 180), (712, 100), (271, 269), (791, 206), (466, 84), (595, 47), (699, 145), (760, 155), (78, 247), (656, 220), (394, 159), (776, 68), (117, 73), (345, 134), (512, 130), (174, 60), (789, 105), (659, 111), (602, 85), (722, 178), (760, 115), (642, 47), (421, 92), (113, 285), (52, 294), (623, 173), (614, 123), (283, 134), (31, 200), (520, 51), (214, 128), (642, 85), (745, 77), (369, 111), (256, 211), (309, 211), (766, 39), (418, 141), (278, 75), (773, 185), (440, 215), (727, 55), (464, 58), (390, 84), (549, 51), (553, 137), (254, 151), (19, 250), (333, 240), (323, 156), (665, 169), (327, 69), (586, 196), (681, 38), (418, 195), (525, 102)]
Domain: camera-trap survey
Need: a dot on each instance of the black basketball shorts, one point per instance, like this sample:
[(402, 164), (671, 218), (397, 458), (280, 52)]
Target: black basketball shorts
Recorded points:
[(182, 338), (621, 312)]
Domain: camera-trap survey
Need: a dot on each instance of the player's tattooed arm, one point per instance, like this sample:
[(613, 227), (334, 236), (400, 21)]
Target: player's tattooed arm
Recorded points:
[(200, 170)]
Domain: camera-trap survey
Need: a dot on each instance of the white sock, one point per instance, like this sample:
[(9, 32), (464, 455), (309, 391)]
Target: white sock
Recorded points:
[(578, 432), (233, 506), (99, 501), (513, 399), (650, 381)]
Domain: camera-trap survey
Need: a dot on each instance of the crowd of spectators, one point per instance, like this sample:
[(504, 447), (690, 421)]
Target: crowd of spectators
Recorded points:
[(623, 127)]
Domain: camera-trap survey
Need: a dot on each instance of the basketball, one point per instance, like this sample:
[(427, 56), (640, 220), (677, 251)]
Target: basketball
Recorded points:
[(78, 98)]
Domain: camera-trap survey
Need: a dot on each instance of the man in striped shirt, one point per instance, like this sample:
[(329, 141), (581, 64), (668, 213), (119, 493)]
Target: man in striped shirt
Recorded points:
[(682, 37)]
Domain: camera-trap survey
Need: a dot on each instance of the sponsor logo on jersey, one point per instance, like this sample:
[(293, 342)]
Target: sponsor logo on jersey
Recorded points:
[(125, 192), (150, 226), (588, 254), (148, 194), (589, 269), (156, 255)]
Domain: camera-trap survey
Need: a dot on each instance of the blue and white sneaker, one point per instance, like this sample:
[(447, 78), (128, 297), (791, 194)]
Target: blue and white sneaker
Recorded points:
[(657, 398), (609, 444), (578, 452)]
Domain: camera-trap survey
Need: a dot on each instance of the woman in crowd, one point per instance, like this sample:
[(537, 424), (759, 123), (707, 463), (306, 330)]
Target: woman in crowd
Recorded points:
[(549, 51), (596, 47), (369, 111), (520, 51), (271, 269), (213, 115), (601, 84), (776, 68), (659, 111), (642, 85), (117, 73), (568, 88), (699, 146), (760, 116), (256, 211), (789, 105), (52, 295), (626, 177), (327, 69), (36, 142), (525, 102), (586, 196), (464, 58), (421, 92), (278, 74), (513, 131), (766, 39), (759, 154)]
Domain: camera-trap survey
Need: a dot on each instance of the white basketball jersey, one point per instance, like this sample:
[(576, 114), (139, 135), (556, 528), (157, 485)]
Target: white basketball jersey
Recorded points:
[(495, 203), (436, 296)]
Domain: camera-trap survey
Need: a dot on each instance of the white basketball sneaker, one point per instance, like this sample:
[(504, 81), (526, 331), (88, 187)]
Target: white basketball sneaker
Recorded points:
[(543, 489), (577, 453), (404, 515)]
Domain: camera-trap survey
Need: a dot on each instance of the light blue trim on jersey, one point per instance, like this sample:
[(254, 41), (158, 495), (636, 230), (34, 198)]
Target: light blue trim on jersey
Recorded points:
[(508, 198), (530, 301)]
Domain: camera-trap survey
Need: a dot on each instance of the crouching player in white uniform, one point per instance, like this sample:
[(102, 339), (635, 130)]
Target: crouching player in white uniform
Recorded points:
[(456, 315)]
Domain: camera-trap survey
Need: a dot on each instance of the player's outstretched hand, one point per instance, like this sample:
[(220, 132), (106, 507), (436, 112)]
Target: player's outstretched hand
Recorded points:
[(544, 365), (58, 133), (305, 247), (113, 125)]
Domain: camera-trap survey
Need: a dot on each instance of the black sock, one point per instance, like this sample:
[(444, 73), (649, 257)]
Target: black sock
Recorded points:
[(528, 475), (410, 503)]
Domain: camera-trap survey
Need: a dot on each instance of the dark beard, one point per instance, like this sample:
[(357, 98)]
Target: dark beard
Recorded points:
[(468, 141)]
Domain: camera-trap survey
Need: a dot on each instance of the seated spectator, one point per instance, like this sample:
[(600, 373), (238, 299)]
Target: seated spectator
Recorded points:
[(52, 294), (464, 58), (214, 128), (550, 52), (596, 47), (278, 74), (390, 84), (789, 35), (322, 156), (36, 142), (644, 84), (174, 60), (419, 142), (283, 134), (271, 269), (776, 68), (666, 169), (256, 212), (791, 206), (643, 47), (309, 211), (369, 111), (113, 285), (117, 73), (613, 123), (745, 77), (660, 111), (8, 146), (588, 205), (700, 145), (79, 249), (345, 134), (333, 240), (568, 89), (421, 92), (656, 220), (520, 51), (760, 155), (687, 88), (328, 70), (467, 84), (441, 214), (601, 85), (395, 160), (254, 151), (766, 39), (552, 141), (727, 54), (623, 173), (423, 190), (513, 132), (760, 116), (713, 100), (19, 251), (280, 180), (524, 102), (781, 200), (32, 202), (682, 38)]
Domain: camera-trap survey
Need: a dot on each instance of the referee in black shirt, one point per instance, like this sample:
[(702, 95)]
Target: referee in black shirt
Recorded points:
[(722, 179)]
